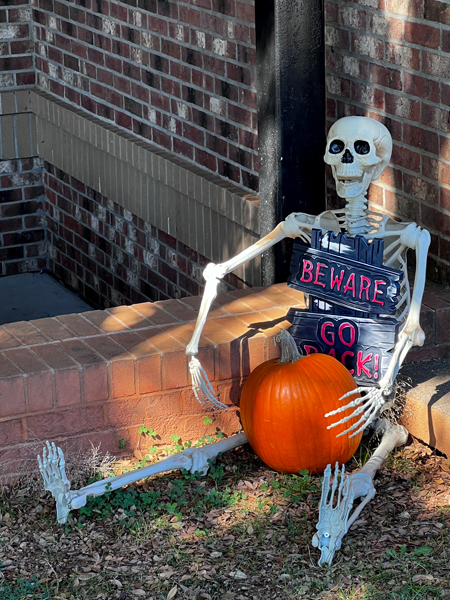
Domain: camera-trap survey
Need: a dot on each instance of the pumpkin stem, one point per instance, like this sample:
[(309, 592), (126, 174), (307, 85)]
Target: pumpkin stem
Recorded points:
[(289, 350)]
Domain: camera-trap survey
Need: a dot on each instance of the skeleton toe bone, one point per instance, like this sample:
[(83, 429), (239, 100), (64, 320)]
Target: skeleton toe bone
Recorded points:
[(52, 468), (338, 499)]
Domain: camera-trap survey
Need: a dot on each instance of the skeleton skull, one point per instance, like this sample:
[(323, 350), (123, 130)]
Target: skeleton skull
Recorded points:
[(358, 150)]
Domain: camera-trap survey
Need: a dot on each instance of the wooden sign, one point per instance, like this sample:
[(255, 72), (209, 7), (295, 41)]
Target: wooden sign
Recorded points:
[(348, 289), (343, 280), (362, 345)]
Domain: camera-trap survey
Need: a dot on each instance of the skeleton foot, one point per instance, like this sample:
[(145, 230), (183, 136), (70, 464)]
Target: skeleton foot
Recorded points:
[(337, 499), (52, 468), (335, 506), (369, 404), (195, 460)]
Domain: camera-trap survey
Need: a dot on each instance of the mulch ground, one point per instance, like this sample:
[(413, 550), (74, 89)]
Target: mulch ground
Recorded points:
[(241, 533)]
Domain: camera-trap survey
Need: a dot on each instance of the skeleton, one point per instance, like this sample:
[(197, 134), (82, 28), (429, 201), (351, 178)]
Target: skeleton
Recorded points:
[(358, 151)]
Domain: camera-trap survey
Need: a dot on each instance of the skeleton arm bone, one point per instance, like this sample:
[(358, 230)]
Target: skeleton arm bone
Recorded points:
[(214, 273), (412, 327), (411, 333), (294, 226)]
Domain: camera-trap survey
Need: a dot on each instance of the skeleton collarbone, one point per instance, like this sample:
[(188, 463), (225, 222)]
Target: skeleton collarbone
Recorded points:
[(301, 224)]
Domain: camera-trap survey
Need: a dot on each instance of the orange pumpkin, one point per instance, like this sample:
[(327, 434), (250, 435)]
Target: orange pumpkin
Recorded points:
[(283, 403)]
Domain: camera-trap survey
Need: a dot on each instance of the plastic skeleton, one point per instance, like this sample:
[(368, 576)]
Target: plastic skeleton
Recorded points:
[(358, 150)]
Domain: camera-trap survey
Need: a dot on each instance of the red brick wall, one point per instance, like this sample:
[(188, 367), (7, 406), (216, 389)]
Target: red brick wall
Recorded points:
[(22, 221), (98, 376), (179, 74), (16, 46), (390, 59), (110, 256)]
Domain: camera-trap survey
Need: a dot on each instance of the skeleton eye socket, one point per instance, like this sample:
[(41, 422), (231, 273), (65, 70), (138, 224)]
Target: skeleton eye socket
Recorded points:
[(362, 147), (336, 147)]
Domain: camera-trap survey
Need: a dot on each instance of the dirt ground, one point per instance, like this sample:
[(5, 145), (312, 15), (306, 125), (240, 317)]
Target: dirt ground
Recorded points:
[(241, 533)]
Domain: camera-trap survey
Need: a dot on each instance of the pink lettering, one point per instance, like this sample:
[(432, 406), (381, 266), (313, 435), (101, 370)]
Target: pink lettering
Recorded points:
[(332, 353), (351, 328), (307, 268), (336, 281), (310, 349), (376, 363), (319, 274), (350, 285), (324, 333), (377, 291), (364, 287), (344, 356), (361, 362)]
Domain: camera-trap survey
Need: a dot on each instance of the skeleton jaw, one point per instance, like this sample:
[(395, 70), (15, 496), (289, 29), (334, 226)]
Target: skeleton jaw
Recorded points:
[(352, 185)]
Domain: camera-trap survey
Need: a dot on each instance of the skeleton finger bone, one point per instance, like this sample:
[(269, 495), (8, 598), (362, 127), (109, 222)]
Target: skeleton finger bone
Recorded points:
[(356, 402), (202, 387), (364, 422), (369, 404)]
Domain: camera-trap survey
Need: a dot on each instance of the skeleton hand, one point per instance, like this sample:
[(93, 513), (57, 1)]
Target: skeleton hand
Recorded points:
[(201, 386), (334, 520), (52, 468), (369, 403)]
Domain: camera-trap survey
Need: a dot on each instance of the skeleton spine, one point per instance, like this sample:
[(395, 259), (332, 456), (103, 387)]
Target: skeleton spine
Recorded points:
[(357, 221)]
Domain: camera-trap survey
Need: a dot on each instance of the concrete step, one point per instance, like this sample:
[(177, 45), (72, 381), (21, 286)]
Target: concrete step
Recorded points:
[(426, 414), (30, 296)]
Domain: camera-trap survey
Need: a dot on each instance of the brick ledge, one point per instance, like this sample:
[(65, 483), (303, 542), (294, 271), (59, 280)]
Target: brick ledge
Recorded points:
[(98, 376)]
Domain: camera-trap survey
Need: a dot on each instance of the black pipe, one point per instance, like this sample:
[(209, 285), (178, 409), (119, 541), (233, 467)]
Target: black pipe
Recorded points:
[(291, 118)]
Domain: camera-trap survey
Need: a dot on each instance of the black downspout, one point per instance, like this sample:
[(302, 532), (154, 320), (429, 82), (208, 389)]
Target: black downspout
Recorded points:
[(291, 118)]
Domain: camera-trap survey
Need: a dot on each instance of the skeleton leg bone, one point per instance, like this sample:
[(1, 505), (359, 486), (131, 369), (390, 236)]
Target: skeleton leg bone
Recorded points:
[(52, 467), (337, 499)]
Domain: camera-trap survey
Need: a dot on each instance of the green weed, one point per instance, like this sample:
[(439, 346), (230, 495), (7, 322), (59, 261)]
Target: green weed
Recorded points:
[(22, 589), (295, 487)]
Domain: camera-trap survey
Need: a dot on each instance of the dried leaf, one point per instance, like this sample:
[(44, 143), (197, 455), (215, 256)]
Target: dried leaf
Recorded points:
[(239, 575), (172, 593), (86, 576), (422, 577)]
